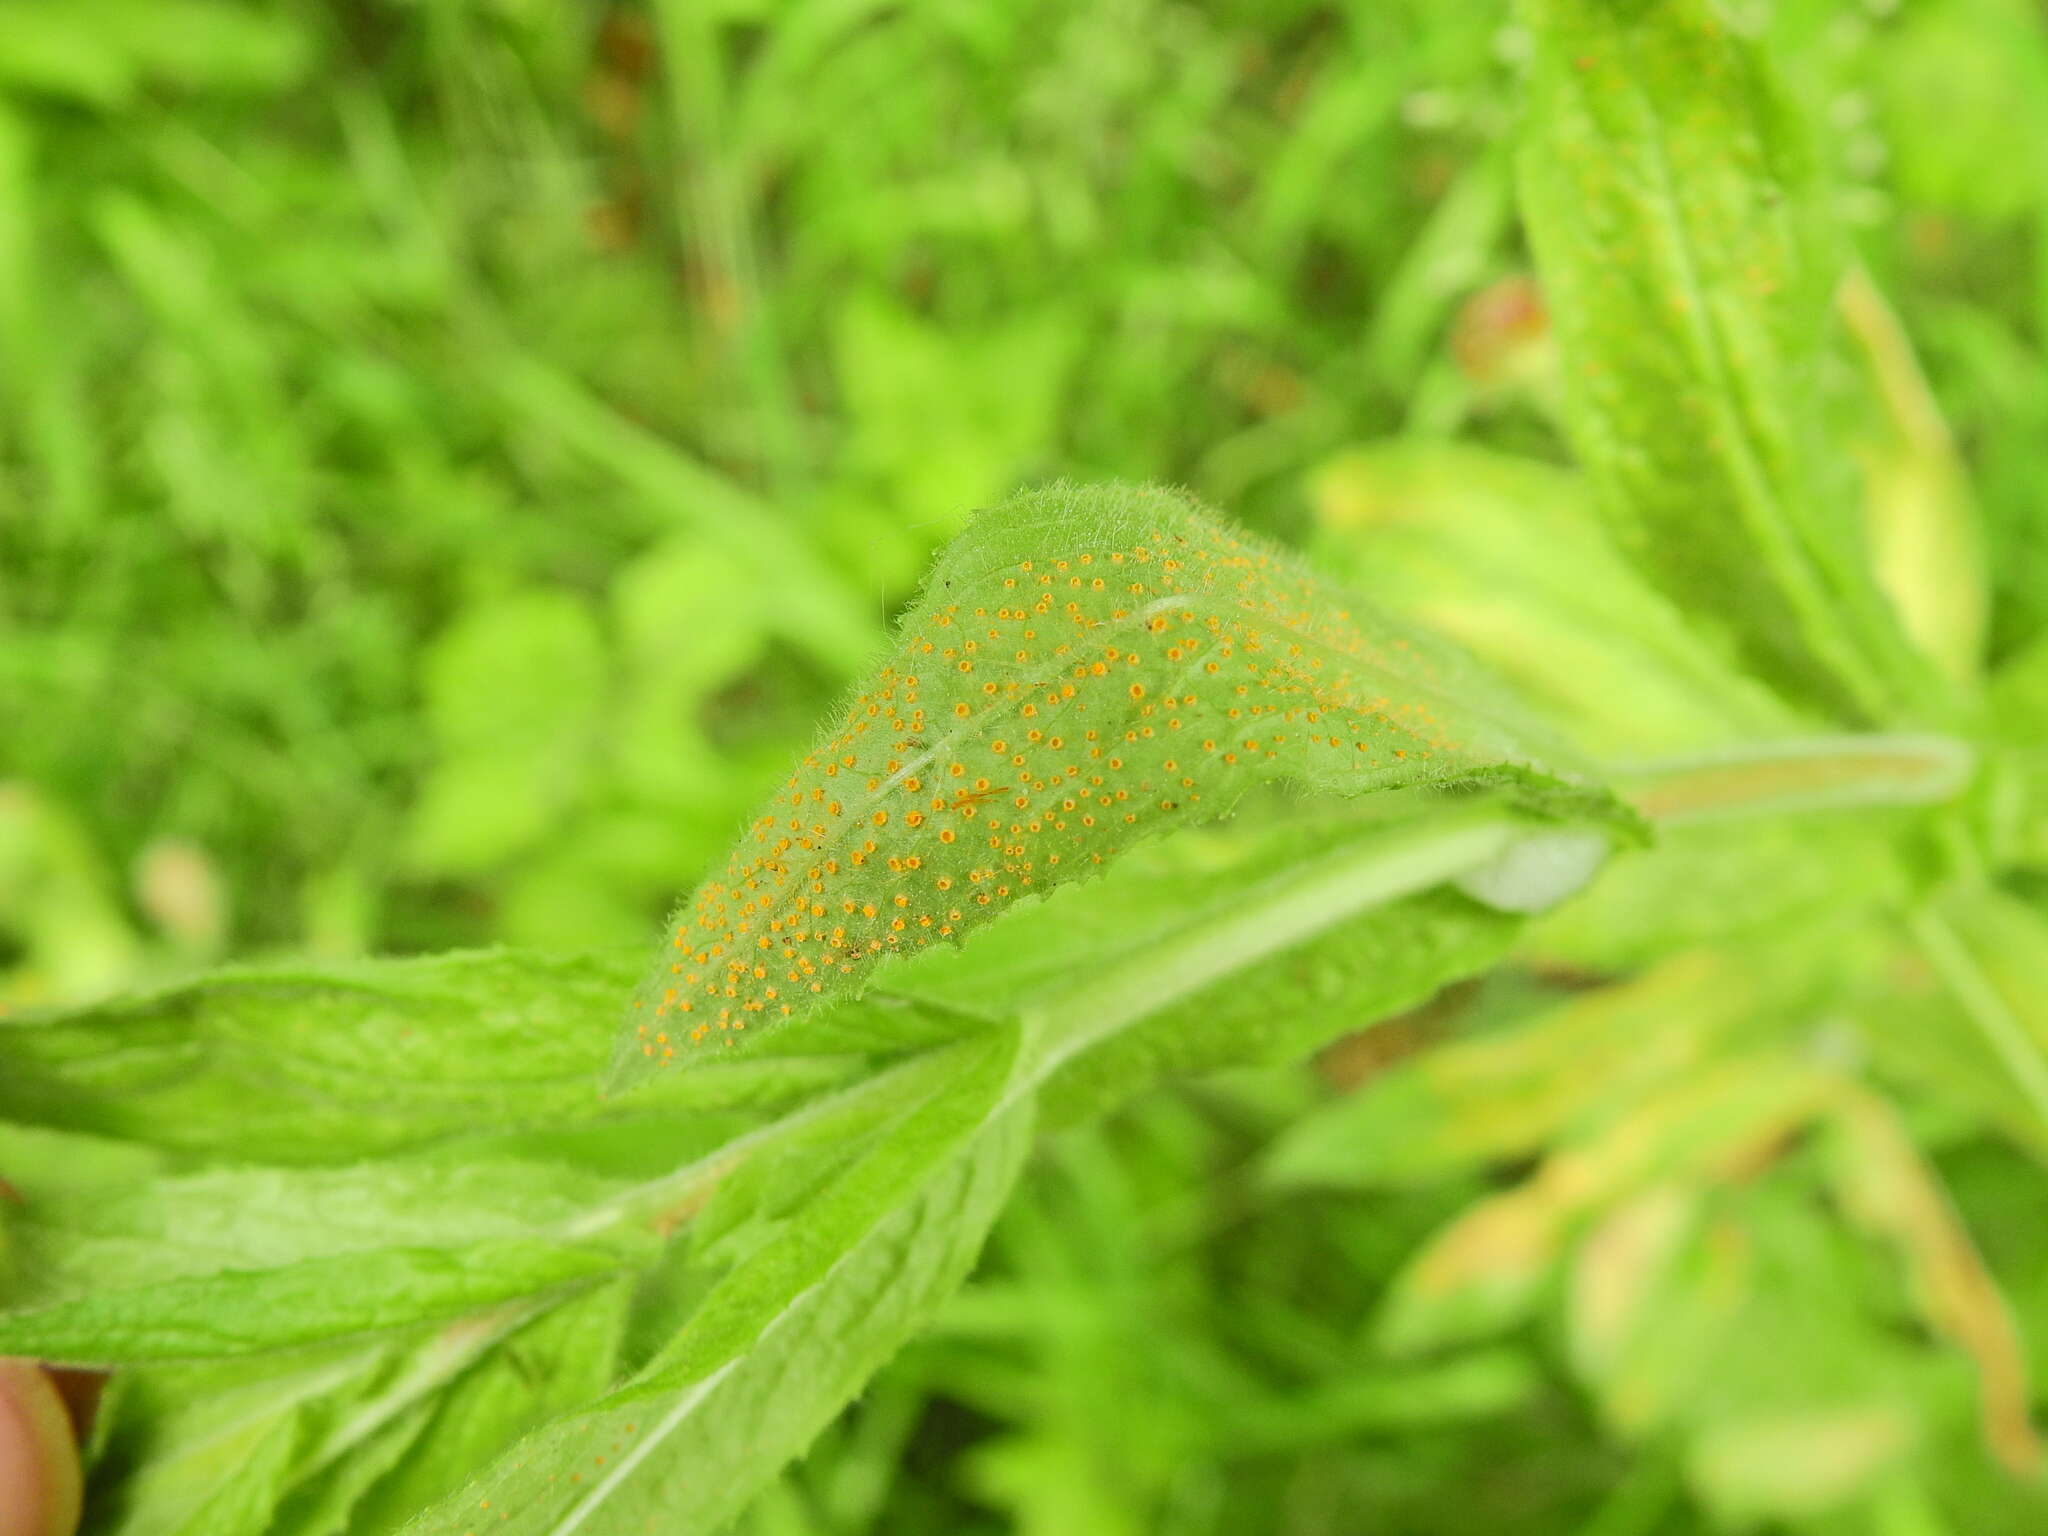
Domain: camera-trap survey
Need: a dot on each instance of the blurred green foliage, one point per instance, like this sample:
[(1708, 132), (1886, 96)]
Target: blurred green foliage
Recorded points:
[(451, 451)]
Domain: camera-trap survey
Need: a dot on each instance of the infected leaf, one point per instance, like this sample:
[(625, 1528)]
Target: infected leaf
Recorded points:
[(1085, 667)]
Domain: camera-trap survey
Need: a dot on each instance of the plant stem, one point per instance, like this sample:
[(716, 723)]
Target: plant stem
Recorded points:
[(663, 1203), (1276, 916), (2002, 1029), (1813, 773), (447, 1355)]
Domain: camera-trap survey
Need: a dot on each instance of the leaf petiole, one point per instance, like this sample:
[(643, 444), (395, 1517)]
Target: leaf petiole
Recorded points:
[(1815, 773), (1972, 989)]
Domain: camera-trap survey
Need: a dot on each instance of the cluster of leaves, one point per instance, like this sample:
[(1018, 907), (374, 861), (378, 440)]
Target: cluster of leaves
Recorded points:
[(369, 1251), (316, 398)]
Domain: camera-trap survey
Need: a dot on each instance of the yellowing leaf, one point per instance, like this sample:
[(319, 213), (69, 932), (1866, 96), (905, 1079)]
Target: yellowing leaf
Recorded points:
[(1615, 1276), (1084, 667), (1887, 1186)]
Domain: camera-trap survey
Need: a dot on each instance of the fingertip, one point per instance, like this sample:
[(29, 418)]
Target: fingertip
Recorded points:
[(41, 1488)]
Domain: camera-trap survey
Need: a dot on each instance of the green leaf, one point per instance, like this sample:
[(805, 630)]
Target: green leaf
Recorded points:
[(1084, 668), (37, 1163), (784, 1340), (229, 1263), (61, 903), (687, 621), (1821, 773), (355, 1437), (324, 1063), (546, 1367), (940, 420), (200, 44), (1248, 944), (515, 690), (1487, 1269), (1886, 1185), (1927, 545), (210, 1450), (1680, 234), (823, 613), (1220, 947)]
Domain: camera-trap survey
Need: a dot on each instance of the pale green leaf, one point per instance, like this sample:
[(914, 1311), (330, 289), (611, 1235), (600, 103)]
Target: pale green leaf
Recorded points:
[(1821, 773), (2018, 717), (943, 421), (1487, 1270), (1718, 882), (322, 1506), (685, 616), (1221, 947), (37, 1162), (1926, 541), (211, 1450), (546, 1367), (1886, 1184), (1249, 944), (1798, 1464), (355, 1437), (1966, 1008)]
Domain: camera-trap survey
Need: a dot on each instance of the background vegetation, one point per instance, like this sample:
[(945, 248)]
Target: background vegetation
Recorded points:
[(451, 453)]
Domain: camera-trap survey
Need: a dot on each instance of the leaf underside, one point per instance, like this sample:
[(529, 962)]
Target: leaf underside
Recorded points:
[(1085, 667)]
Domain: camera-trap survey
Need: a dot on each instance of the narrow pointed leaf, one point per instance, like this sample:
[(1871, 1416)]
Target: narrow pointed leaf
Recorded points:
[(781, 1345), (230, 1263), (326, 1063), (1682, 241)]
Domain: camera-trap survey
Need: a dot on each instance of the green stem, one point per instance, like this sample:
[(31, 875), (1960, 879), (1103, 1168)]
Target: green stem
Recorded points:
[(1279, 915), (2002, 1029), (1815, 773)]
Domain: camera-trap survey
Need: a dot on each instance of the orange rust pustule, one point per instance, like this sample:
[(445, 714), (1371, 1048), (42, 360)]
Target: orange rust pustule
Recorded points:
[(1061, 707)]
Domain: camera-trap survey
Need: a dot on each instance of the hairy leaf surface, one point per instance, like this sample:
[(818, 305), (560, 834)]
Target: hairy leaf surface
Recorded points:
[(1233, 944), (782, 1343), (325, 1063), (232, 1262), (1084, 667)]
